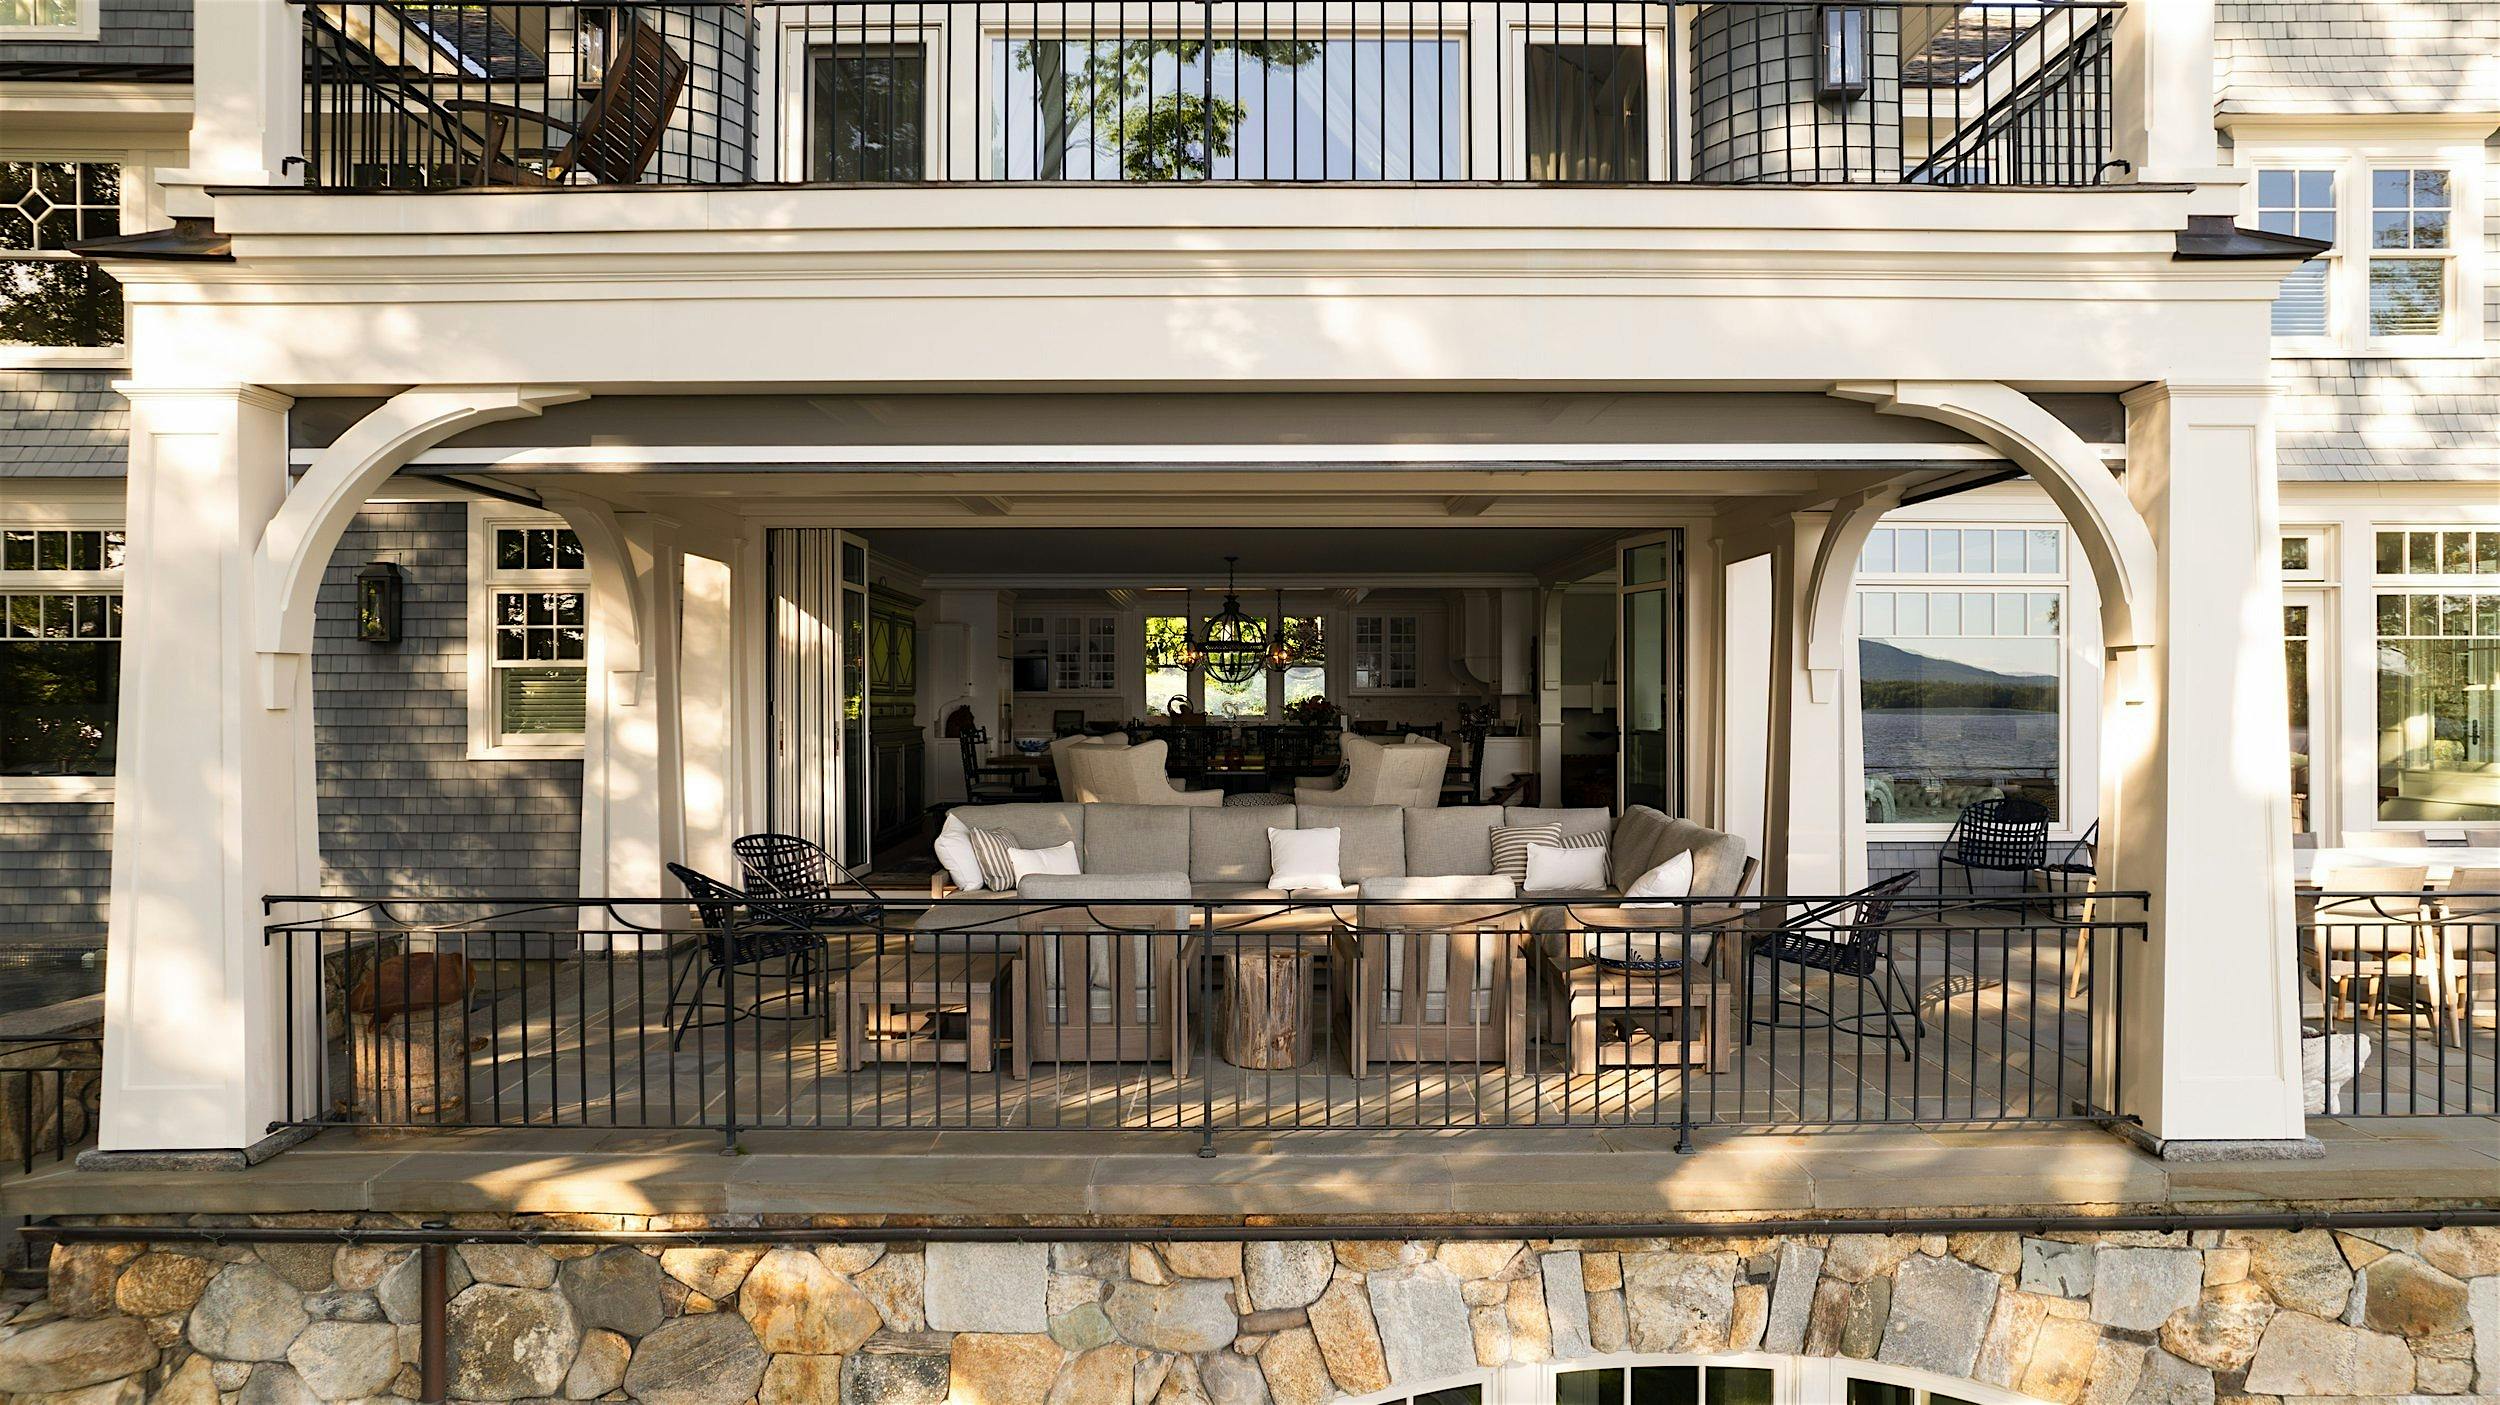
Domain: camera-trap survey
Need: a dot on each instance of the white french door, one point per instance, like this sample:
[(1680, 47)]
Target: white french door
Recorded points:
[(1649, 654), (822, 767)]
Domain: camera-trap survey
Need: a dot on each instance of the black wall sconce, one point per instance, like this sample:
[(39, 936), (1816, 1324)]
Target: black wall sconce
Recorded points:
[(380, 589), (1843, 40)]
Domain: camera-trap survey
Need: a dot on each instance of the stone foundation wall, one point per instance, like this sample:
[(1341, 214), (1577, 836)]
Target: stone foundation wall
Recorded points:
[(2144, 1318)]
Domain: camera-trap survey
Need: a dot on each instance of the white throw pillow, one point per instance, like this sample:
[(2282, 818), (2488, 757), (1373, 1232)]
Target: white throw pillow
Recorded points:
[(1555, 869), (1672, 879), (1303, 858), (1061, 859), (957, 856)]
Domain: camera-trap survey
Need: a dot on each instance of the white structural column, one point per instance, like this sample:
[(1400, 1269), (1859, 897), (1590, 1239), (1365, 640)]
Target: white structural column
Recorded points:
[(633, 796), (247, 118), (215, 798), (2163, 104), (2198, 771)]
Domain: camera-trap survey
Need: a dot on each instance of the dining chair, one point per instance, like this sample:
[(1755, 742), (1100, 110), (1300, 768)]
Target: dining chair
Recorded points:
[(2003, 834), (1847, 940), (2369, 924), (2468, 951), (731, 941)]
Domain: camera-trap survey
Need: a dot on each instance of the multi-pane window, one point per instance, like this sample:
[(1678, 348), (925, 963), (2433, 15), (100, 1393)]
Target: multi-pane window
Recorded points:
[(1387, 652), (1960, 689), (868, 107), (1306, 642), (1084, 653), (2410, 252), (48, 295), (538, 610), (2438, 609), (2296, 636), (2301, 203), (60, 649), (33, 18), (1167, 661), (1683, 1385)]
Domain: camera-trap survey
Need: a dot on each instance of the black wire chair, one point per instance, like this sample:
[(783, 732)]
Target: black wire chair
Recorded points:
[(1860, 953), (733, 941), (2007, 834), (790, 883)]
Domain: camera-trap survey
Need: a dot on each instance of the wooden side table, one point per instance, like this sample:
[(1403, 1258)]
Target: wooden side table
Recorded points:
[(1700, 1008), (938, 983)]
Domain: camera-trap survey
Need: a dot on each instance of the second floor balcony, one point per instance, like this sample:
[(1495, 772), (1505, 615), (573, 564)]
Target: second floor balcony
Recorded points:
[(429, 97)]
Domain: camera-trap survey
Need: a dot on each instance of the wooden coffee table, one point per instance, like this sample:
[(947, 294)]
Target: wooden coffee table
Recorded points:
[(1699, 1011), (900, 984)]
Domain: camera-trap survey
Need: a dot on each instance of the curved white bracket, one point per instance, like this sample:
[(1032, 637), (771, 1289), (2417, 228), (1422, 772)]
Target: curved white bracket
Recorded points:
[(296, 547), (2113, 537), (1835, 571), (616, 587)]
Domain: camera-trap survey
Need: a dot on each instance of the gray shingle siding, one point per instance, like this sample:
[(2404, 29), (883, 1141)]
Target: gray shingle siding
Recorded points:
[(55, 866), (2297, 56), (127, 32), (2377, 420), (63, 424), (403, 808)]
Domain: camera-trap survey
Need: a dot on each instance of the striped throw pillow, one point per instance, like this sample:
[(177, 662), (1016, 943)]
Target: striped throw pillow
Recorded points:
[(994, 849), (1510, 847), (1594, 839)]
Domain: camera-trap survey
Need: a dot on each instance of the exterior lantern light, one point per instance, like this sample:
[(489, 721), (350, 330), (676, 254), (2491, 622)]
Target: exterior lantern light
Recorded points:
[(1844, 38), (380, 589)]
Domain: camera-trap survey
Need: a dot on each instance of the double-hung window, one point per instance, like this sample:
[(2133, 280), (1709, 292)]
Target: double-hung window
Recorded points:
[(51, 21), (49, 297), (2404, 221), (60, 649), (531, 610)]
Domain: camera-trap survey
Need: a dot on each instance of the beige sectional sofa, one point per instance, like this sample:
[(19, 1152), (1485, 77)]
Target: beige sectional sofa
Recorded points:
[(1428, 968)]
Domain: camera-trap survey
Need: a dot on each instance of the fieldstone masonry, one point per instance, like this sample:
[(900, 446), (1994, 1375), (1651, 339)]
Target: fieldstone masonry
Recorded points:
[(2115, 1318)]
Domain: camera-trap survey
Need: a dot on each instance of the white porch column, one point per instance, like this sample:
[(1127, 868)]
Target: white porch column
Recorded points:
[(215, 801), (1817, 804), (2198, 774), (2163, 108), (633, 796), (247, 84)]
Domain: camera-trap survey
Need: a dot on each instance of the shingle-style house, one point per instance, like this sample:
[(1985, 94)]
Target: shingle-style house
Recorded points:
[(1483, 703)]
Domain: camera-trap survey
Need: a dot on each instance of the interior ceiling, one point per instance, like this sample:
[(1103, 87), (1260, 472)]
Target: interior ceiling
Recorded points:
[(1197, 553)]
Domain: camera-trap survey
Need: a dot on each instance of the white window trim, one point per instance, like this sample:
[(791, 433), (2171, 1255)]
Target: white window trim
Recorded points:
[(2353, 158), (85, 28), (486, 741), (2078, 678), (142, 208), (96, 507)]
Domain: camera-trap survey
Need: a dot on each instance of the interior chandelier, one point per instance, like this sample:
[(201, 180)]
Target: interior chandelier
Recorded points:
[(1237, 645)]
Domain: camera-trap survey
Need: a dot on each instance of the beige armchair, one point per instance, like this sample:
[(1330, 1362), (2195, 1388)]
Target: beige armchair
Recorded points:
[(1377, 773), (1111, 772)]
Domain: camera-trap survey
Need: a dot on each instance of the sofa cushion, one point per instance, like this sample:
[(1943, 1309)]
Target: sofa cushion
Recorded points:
[(1511, 844), (1452, 842), (984, 923), (1371, 840), (1573, 821), (1031, 826), (1638, 843), (1059, 902), (1718, 859), (1229, 845), (1135, 839)]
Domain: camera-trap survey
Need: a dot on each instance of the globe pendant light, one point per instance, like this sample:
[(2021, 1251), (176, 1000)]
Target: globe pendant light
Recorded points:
[(1235, 644)]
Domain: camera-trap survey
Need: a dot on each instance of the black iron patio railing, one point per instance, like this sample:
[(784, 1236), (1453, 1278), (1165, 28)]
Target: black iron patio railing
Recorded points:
[(1203, 1019), (418, 95), (2398, 1001), (48, 1088)]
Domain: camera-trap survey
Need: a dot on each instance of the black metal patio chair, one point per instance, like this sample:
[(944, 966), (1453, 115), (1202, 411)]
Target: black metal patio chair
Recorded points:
[(1859, 951), (2006, 834), (733, 940)]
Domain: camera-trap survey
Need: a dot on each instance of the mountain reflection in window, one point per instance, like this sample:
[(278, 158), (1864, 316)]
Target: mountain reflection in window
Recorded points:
[(1958, 700)]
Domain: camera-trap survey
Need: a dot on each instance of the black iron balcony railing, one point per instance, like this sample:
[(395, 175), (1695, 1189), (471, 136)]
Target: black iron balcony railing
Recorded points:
[(417, 95), (1204, 1019), (2398, 1000)]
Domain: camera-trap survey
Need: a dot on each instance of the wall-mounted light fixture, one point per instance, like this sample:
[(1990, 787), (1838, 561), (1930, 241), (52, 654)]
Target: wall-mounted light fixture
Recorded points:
[(1843, 41), (380, 589), (593, 24)]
